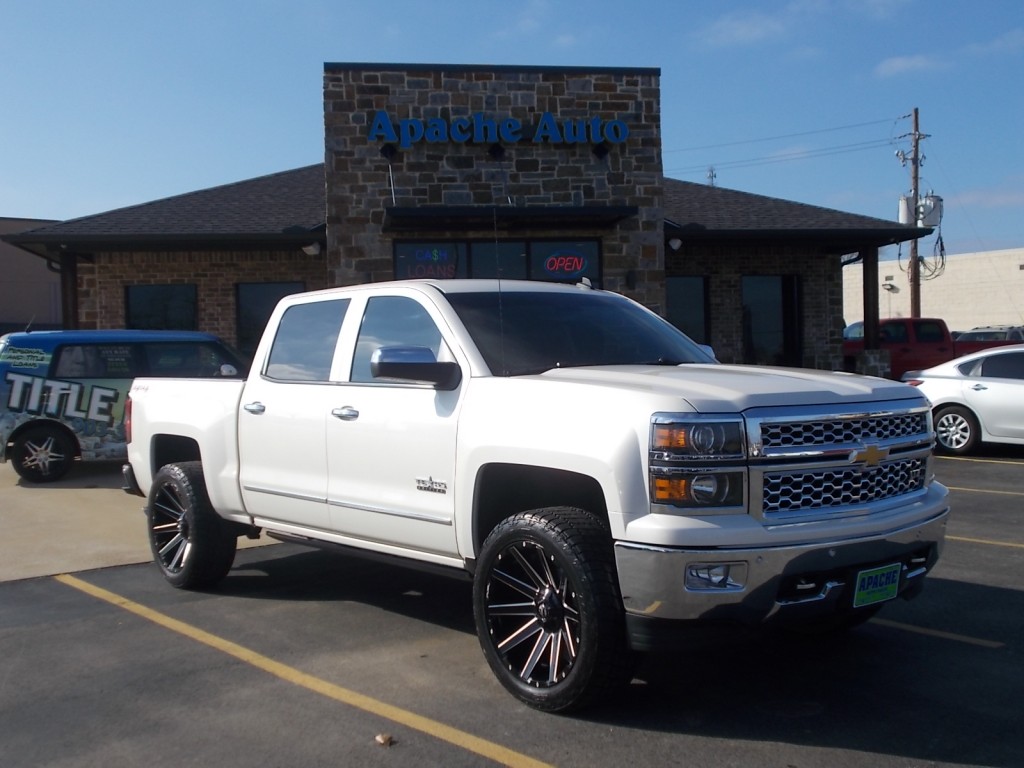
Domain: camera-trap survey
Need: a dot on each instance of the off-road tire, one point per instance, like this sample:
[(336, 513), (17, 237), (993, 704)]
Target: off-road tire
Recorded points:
[(191, 544), (548, 609)]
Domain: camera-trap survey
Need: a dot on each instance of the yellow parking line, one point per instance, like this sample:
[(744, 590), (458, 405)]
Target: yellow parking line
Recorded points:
[(467, 741), (985, 490), (939, 634), (977, 461), (1010, 544)]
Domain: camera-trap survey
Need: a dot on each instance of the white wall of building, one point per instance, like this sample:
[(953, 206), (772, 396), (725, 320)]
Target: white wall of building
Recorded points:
[(985, 288)]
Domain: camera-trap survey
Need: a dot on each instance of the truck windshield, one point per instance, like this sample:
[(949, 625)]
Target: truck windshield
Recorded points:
[(524, 333)]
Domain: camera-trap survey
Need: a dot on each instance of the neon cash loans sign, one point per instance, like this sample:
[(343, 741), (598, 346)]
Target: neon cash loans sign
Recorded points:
[(479, 129)]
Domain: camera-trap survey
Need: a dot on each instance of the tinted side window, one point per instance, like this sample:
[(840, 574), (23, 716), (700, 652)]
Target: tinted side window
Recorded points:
[(392, 321), (896, 333), (185, 359), (305, 340), (96, 361), (929, 332), (1008, 366)]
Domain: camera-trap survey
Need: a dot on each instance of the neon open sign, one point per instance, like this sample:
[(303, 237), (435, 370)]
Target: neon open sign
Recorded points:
[(565, 264)]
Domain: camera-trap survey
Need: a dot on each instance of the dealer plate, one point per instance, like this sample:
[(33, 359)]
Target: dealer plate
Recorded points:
[(876, 585)]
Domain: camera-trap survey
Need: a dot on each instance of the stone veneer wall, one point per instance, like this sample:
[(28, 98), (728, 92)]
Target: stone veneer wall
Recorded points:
[(725, 266), (101, 284), (359, 180)]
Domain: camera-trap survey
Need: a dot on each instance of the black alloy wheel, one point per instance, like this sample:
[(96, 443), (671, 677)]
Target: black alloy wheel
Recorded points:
[(548, 611), (192, 545)]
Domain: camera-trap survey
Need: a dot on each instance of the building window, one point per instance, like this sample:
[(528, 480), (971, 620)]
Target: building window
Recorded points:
[(429, 259), (550, 260), (504, 258), (160, 307), (771, 320), (687, 307), (253, 304)]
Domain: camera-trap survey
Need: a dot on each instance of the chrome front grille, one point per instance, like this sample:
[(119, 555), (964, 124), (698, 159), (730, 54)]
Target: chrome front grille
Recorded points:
[(842, 431), (811, 463), (798, 491)]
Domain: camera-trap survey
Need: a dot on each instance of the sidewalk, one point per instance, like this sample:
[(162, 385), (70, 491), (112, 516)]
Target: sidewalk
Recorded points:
[(80, 522)]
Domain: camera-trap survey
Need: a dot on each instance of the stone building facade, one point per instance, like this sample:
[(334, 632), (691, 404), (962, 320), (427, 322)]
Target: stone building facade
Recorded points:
[(507, 155)]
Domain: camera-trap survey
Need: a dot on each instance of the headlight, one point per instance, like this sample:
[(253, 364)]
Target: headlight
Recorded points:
[(696, 439), (698, 462), (680, 488)]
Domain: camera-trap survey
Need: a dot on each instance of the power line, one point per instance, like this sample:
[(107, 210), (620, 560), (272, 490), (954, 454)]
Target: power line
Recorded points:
[(804, 154), (783, 136)]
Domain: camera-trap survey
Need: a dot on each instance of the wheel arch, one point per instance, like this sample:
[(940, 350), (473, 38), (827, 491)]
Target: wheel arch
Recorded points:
[(502, 489), (37, 423), (172, 449)]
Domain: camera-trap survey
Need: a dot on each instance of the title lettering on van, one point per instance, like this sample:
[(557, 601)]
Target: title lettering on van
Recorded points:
[(479, 129), (60, 399)]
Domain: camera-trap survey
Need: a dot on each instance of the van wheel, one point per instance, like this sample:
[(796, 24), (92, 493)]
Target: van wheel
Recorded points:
[(956, 430), (548, 610), (43, 454), (190, 542)]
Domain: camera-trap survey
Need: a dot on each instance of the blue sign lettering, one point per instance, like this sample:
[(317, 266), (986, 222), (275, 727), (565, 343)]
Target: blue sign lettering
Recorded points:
[(481, 129)]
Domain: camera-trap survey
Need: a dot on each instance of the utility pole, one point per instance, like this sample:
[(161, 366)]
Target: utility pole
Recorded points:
[(915, 201)]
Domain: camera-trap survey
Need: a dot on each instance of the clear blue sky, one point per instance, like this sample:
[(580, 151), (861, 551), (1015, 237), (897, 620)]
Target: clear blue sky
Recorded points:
[(110, 103)]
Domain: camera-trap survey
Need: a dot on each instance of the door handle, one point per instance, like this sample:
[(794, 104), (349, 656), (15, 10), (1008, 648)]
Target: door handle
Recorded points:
[(256, 407), (345, 413), (979, 387)]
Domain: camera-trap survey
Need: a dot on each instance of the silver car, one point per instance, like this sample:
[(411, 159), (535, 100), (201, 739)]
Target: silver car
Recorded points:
[(976, 398)]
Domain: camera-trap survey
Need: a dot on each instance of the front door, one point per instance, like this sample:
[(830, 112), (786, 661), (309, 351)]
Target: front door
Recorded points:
[(771, 320), (391, 444)]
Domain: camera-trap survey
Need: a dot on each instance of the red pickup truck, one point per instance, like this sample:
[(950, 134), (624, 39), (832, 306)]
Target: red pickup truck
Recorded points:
[(914, 343)]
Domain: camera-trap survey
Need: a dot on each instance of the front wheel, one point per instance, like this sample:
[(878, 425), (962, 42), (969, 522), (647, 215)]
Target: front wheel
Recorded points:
[(43, 454), (190, 542), (956, 430), (548, 609)]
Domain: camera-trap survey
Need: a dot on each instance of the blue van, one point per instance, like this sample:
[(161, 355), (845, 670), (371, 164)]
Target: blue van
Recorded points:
[(62, 393)]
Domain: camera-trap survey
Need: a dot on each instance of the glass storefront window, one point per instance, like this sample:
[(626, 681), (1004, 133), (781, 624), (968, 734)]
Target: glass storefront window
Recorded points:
[(550, 260), (771, 320), (502, 259), (686, 306), (445, 260), (160, 307)]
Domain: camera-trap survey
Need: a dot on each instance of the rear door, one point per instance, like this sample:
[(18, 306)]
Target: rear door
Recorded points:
[(282, 421), (997, 394)]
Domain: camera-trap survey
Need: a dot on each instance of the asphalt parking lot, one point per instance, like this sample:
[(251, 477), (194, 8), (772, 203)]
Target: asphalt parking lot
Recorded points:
[(305, 659)]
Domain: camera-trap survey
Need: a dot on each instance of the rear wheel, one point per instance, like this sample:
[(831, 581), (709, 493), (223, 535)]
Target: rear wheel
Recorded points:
[(190, 542), (43, 454), (548, 610), (956, 430)]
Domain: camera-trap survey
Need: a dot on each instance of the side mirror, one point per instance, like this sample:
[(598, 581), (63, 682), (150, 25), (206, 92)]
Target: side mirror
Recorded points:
[(414, 364), (227, 369), (708, 350)]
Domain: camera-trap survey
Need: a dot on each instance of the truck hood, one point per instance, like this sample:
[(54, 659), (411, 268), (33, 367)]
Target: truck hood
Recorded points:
[(732, 388)]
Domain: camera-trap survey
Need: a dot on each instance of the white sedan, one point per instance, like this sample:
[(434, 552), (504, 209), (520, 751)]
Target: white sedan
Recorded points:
[(976, 398)]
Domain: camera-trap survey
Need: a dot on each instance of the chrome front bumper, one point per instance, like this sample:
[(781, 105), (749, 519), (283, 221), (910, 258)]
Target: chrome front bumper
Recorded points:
[(772, 584)]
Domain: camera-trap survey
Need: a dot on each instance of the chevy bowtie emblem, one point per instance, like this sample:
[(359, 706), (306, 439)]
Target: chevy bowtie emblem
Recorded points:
[(871, 456)]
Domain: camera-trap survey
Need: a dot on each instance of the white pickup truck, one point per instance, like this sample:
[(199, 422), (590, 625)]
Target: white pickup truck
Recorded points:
[(605, 483)]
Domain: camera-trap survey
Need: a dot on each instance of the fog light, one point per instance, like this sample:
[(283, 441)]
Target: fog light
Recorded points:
[(716, 577)]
